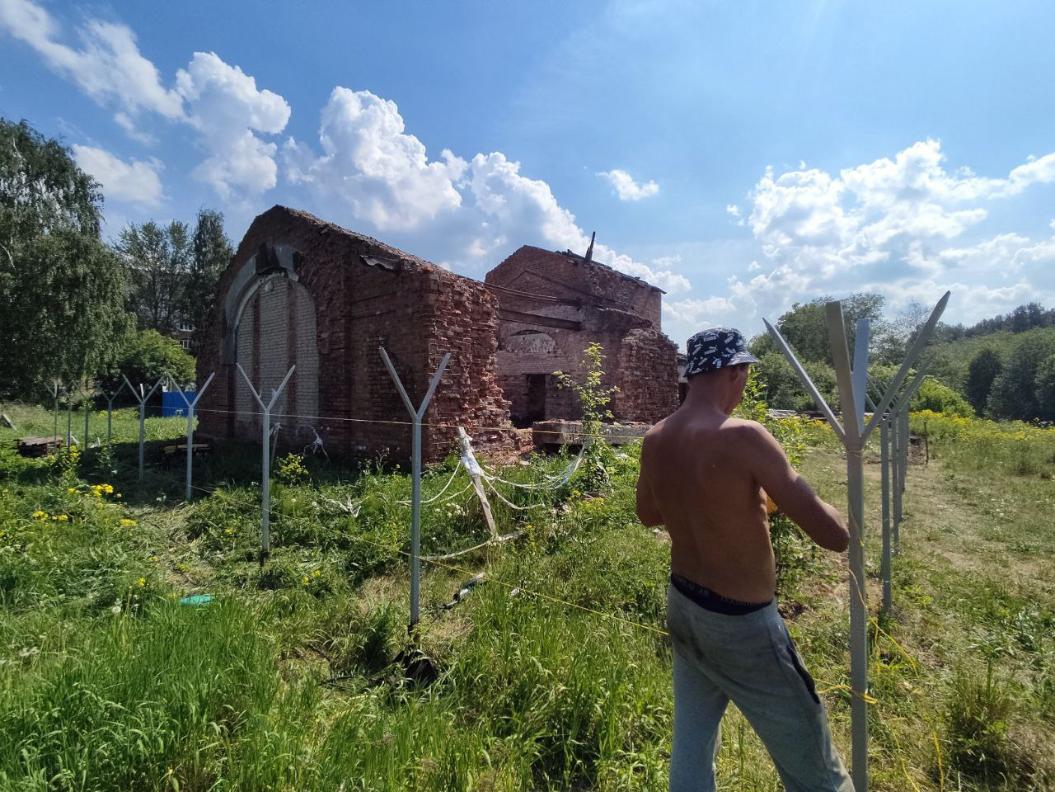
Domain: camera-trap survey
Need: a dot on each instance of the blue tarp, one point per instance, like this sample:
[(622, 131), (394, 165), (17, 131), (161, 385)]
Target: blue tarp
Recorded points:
[(172, 404)]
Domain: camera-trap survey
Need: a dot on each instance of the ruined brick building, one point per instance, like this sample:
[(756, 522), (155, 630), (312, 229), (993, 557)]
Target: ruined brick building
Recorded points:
[(550, 307), (304, 292)]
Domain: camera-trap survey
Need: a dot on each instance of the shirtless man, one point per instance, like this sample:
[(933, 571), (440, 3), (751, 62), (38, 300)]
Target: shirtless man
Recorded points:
[(705, 475)]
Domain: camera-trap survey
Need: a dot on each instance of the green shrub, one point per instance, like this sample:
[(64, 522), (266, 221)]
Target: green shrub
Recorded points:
[(938, 397), (146, 356)]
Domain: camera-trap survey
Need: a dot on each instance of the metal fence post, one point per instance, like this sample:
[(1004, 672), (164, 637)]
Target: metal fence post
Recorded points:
[(853, 423), (191, 404), (110, 410), (416, 414), (143, 399), (854, 433), (265, 480), (54, 392), (884, 465), (87, 407)]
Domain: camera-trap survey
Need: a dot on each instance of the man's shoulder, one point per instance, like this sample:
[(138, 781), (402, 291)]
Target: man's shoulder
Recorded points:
[(744, 428)]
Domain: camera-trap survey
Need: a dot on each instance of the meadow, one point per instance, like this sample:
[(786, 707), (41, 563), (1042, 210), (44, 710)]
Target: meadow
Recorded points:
[(553, 672)]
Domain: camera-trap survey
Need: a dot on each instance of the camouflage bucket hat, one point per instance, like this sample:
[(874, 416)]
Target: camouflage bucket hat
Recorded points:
[(716, 348)]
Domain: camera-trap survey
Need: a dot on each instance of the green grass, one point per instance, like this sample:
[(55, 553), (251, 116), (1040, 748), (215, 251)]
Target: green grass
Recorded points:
[(552, 674)]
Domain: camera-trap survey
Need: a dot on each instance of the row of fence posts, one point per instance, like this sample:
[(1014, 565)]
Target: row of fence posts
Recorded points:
[(853, 432), (891, 416)]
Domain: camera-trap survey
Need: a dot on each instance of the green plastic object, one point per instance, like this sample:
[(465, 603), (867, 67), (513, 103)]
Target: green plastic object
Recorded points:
[(196, 600)]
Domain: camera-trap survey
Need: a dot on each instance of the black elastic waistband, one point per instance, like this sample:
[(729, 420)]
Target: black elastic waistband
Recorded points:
[(712, 601)]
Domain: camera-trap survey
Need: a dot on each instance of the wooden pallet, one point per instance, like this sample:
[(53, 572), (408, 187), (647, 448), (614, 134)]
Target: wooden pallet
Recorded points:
[(39, 446)]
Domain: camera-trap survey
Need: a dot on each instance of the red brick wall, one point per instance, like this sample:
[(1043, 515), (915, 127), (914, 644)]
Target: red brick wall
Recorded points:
[(415, 309), (587, 302)]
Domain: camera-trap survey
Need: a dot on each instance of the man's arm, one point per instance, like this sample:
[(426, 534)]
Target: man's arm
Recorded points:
[(647, 511), (770, 467)]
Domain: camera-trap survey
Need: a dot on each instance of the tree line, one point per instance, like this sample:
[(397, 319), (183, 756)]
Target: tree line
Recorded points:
[(1001, 368), (75, 308)]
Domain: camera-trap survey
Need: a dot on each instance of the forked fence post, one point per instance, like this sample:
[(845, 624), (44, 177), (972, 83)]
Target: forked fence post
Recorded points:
[(853, 433), (110, 410), (143, 398), (265, 465), (899, 456), (191, 404), (416, 414)]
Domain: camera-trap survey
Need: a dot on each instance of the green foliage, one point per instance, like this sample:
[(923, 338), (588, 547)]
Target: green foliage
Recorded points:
[(42, 189), (125, 706), (805, 325), (594, 399), (157, 261), (938, 397), (985, 367), (211, 254), (1014, 391), (61, 290), (146, 355), (291, 470)]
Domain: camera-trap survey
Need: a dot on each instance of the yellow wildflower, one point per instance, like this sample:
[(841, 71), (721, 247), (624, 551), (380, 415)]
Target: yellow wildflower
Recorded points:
[(141, 582), (61, 517), (304, 580), (40, 515), (71, 490), (127, 523)]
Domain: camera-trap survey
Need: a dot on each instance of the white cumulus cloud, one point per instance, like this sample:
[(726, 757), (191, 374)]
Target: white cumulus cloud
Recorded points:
[(892, 226), (467, 212), (219, 101), (227, 109), (136, 182), (372, 167), (626, 188), (107, 65)]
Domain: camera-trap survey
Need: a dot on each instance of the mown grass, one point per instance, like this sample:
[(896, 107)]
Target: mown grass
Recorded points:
[(553, 673)]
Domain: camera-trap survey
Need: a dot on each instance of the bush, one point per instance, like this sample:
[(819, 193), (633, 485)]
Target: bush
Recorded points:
[(938, 397), (146, 355)]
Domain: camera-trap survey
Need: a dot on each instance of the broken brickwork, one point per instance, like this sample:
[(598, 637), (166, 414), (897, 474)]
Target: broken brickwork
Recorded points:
[(552, 305), (305, 292)]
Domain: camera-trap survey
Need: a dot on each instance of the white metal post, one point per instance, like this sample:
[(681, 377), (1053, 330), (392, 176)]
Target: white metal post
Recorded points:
[(191, 404), (265, 474), (853, 420), (87, 405), (54, 391), (416, 414), (143, 398), (110, 410), (884, 465), (854, 437)]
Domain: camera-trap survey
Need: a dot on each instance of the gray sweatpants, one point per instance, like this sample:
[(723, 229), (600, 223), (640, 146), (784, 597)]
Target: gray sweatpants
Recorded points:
[(751, 661)]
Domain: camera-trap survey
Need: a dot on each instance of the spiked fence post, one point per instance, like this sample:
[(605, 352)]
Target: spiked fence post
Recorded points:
[(416, 414), (854, 432), (265, 465), (143, 397), (191, 405)]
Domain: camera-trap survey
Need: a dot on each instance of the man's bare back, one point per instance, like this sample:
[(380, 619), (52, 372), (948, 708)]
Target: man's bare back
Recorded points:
[(705, 475), (711, 504)]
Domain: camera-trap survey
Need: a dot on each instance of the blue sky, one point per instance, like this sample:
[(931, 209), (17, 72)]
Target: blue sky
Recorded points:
[(742, 156)]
